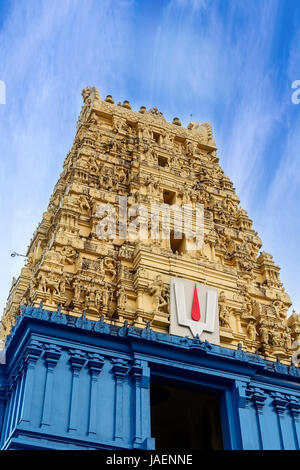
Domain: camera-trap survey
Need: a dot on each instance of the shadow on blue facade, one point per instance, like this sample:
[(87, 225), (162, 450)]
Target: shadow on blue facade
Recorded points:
[(71, 383)]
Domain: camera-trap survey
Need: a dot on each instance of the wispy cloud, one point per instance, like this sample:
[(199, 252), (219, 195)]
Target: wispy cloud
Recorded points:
[(282, 226), (50, 51), (230, 63), (217, 67), (223, 64)]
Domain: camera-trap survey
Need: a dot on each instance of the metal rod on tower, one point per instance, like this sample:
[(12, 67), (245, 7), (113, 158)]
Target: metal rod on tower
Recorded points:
[(14, 254)]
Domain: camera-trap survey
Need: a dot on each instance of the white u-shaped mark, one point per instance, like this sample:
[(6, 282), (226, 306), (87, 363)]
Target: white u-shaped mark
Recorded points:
[(182, 316)]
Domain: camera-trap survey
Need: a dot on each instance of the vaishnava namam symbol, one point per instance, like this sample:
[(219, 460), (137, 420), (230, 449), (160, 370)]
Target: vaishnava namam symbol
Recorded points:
[(196, 315), (193, 306)]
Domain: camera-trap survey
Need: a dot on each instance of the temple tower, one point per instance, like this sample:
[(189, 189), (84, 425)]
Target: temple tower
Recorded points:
[(125, 159)]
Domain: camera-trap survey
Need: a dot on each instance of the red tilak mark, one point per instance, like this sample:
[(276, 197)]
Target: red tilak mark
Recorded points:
[(196, 307)]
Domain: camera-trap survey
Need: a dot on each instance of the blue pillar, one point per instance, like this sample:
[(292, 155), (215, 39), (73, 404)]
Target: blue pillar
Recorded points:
[(15, 389), (51, 358), (120, 369), (136, 374), (33, 353), (280, 405), (294, 406), (8, 407), (259, 398), (140, 374), (21, 392), (243, 414), (77, 361), (95, 366)]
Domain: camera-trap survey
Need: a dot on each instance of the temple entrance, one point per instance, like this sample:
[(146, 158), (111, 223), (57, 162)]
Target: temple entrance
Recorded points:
[(184, 417)]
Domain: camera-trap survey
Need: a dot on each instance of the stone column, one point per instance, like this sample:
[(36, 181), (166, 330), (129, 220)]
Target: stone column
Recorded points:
[(21, 373), (140, 306), (8, 411), (119, 369), (294, 407), (136, 374), (280, 405), (95, 366), (77, 360), (243, 411), (259, 398), (51, 357), (32, 355), (238, 322), (15, 392)]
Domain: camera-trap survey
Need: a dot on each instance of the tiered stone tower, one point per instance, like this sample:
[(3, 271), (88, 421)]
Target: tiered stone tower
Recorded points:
[(120, 152)]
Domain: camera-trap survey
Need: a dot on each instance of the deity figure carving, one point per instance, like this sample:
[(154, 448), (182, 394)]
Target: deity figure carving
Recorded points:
[(264, 334), (229, 205), (160, 294), (121, 297), (84, 203), (278, 306), (68, 253), (251, 330), (77, 289), (223, 311), (276, 337), (110, 267), (191, 147)]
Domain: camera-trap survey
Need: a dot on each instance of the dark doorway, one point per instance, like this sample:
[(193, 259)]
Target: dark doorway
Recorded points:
[(184, 417), (177, 244)]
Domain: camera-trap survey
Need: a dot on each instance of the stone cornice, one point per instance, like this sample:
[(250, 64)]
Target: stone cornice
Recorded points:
[(94, 104), (149, 338)]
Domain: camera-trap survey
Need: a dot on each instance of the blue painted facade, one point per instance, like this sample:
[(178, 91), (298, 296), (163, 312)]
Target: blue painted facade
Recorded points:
[(77, 384)]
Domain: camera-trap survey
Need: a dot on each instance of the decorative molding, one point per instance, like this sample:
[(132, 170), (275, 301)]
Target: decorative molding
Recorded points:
[(280, 402), (258, 396), (294, 406), (251, 383), (147, 334), (241, 393)]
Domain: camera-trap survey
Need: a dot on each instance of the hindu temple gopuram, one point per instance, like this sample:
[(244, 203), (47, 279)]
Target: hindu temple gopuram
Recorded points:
[(125, 342)]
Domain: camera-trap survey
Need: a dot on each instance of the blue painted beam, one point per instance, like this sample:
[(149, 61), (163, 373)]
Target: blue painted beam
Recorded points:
[(78, 384)]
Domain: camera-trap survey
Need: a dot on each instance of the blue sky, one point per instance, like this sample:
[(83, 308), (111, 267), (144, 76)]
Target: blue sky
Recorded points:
[(231, 63)]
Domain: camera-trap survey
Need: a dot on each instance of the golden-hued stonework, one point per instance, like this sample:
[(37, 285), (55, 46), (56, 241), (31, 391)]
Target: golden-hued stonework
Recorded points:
[(120, 152)]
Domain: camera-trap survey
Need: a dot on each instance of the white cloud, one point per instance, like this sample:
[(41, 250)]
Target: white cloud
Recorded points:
[(50, 51), (219, 66)]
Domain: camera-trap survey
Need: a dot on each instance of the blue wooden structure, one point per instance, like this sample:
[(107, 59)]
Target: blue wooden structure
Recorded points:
[(72, 383)]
